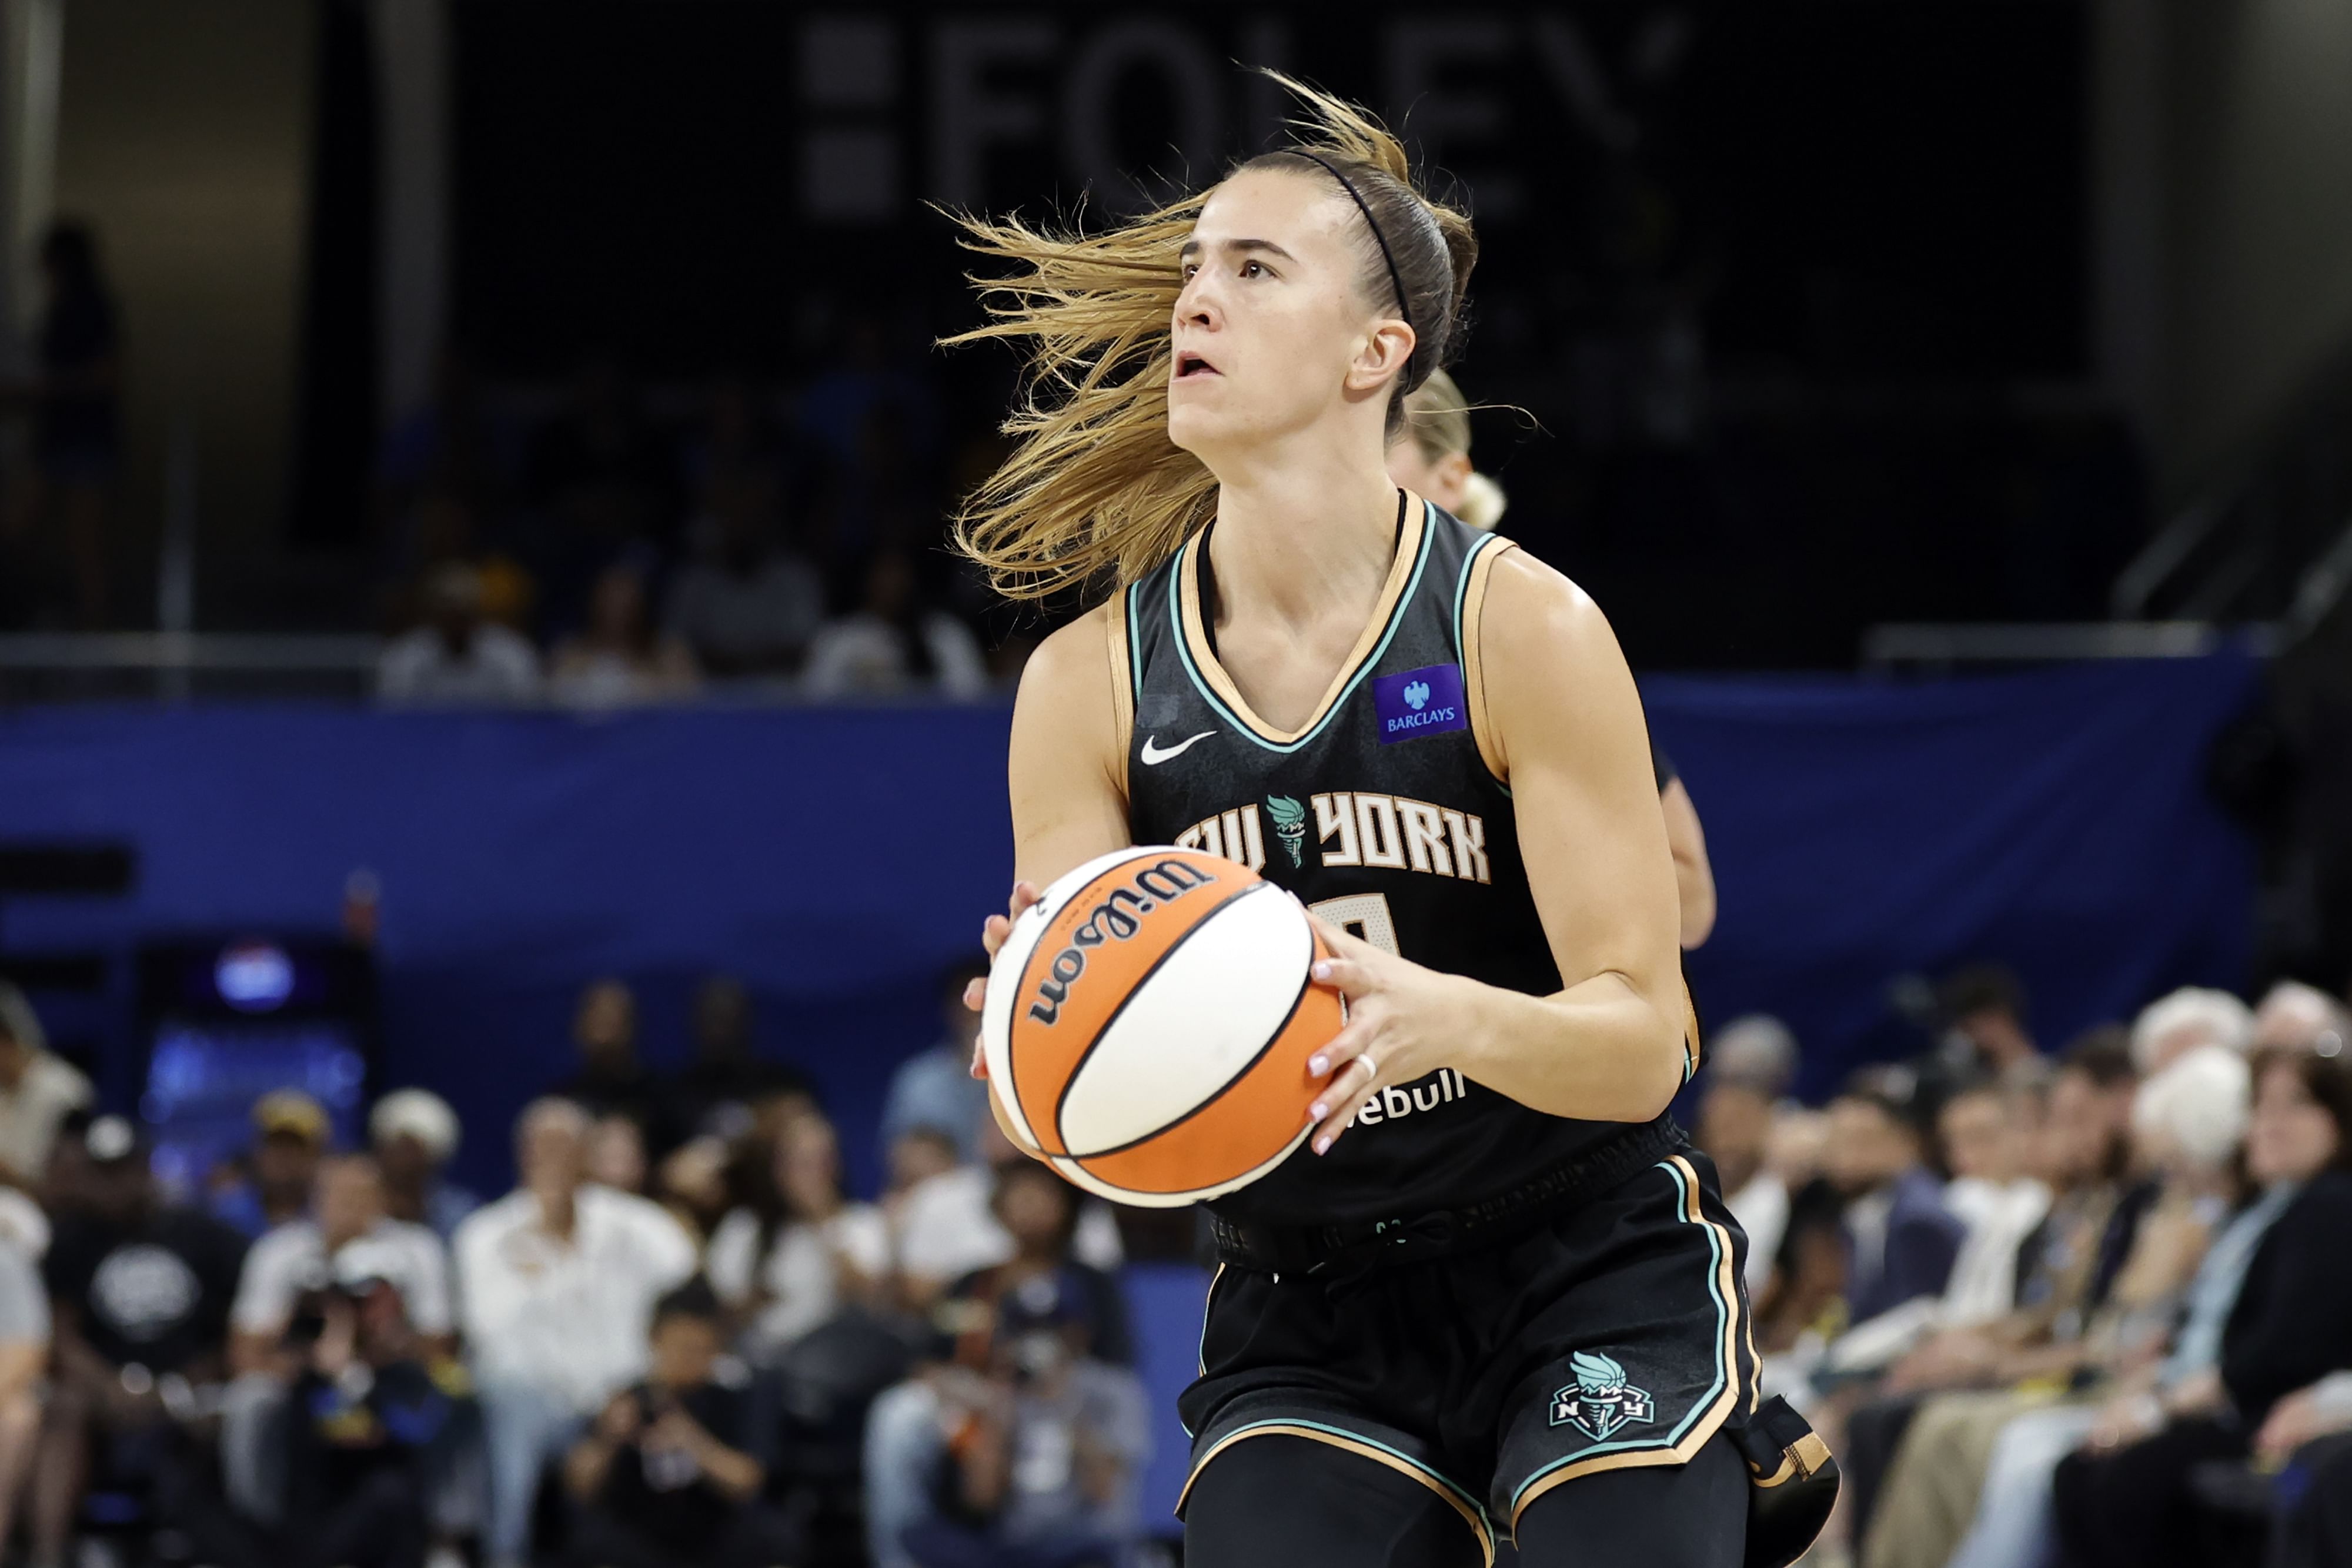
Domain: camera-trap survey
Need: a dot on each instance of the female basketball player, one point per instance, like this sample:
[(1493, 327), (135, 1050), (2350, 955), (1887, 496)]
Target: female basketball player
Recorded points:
[(1505, 1298), (1430, 456)]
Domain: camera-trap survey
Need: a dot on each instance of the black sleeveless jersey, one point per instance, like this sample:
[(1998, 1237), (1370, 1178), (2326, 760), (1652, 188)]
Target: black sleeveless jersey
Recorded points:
[(1384, 818)]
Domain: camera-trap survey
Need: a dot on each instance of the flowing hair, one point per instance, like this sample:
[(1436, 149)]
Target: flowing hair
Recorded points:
[(1094, 489)]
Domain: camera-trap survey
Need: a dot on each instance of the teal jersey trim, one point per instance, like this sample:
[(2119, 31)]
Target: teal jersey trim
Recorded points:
[(1372, 660), (1700, 1406), (1134, 640)]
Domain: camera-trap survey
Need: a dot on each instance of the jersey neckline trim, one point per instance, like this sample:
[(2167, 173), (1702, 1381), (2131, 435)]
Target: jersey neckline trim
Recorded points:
[(1216, 687)]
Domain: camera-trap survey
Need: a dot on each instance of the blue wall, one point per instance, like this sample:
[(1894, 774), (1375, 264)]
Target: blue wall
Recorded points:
[(836, 858)]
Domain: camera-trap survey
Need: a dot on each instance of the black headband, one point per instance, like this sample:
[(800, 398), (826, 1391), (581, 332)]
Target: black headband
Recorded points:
[(1405, 307)]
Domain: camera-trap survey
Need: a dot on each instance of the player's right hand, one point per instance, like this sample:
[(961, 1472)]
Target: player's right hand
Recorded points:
[(992, 933)]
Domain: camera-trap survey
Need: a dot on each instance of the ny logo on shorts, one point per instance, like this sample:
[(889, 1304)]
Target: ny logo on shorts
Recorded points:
[(1600, 1401)]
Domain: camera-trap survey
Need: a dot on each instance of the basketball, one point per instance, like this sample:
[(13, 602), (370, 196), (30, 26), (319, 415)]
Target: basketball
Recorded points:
[(1149, 1023)]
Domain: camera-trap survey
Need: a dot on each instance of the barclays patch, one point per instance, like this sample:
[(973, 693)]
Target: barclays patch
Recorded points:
[(1427, 701)]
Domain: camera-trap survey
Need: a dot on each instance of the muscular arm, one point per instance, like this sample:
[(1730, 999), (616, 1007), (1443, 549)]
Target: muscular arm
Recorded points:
[(1568, 723), (1066, 770)]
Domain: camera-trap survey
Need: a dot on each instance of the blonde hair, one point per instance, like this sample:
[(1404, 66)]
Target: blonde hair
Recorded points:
[(1437, 417), (1093, 489)]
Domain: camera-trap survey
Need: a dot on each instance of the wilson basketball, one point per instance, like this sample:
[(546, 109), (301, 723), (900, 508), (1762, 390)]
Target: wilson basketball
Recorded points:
[(1149, 1023)]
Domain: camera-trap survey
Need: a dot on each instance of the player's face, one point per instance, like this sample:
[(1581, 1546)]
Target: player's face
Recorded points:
[(1272, 331)]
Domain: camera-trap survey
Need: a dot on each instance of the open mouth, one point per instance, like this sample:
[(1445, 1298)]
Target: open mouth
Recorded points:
[(1190, 366)]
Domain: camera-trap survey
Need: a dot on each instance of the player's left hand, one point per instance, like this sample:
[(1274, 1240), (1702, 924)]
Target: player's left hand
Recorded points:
[(1404, 1022)]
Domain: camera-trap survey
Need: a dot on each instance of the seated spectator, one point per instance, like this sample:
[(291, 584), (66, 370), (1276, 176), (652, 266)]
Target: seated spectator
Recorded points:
[(289, 1139), (1901, 1240), (991, 1503), (2065, 1272), (36, 1090), (935, 1088), (1735, 1123), (559, 1281), (914, 1157), (1979, 1466), (348, 1235), (618, 659), (911, 1425), (1987, 1131), (414, 1135), (746, 604), (2177, 1024), (2273, 1315), (2304, 1016), (140, 1297), (612, 1081), (1757, 1050), (791, 1263), (375, 1424), (716, 1091), (24, 1365), (947, 1226), (460, 655), (669, 1475), (616, 1153), (2306, 1442), (894, 644)]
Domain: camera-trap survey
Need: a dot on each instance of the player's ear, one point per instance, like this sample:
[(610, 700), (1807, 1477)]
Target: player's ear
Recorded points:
[(1382, 355)]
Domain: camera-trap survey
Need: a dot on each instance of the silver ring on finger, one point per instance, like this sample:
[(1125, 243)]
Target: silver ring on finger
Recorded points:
[(1371, 1070)]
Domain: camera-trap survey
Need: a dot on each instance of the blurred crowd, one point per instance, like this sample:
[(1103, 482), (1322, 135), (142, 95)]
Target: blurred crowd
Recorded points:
[(602, 552), (2091, 1309), (677, 1340)]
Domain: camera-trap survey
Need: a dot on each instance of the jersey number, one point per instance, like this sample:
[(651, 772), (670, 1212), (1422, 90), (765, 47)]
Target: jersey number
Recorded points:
[(1364, 915)]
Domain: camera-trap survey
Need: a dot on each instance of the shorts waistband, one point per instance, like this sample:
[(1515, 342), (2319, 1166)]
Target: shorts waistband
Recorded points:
[(1344, 1251)]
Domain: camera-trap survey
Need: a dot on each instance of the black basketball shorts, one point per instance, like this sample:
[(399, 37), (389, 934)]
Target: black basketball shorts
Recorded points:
[(1615, 1335)]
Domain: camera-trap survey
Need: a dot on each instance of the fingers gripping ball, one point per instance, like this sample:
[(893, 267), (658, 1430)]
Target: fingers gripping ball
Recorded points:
[(1149, 1023)]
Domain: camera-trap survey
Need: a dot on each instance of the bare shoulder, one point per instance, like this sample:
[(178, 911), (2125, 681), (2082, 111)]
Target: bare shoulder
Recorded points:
[(1538, 625), (1074, 705)]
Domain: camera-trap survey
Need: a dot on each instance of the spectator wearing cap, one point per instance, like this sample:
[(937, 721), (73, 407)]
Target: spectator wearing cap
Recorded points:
[(414, 1135), (140, 1294), (289, 1139), (670, 1473), (460, 655), (37, 1090), (557, 1281), (1900, 1240), (936, 1090)]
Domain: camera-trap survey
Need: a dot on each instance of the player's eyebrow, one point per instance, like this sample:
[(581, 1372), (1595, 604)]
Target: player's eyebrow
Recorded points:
[(1194, 247)]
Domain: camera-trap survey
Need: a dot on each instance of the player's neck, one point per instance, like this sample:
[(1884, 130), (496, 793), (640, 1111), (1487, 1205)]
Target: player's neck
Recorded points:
[(1305, 538)]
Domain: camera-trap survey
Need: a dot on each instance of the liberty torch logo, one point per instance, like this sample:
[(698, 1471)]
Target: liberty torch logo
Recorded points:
[(1289, 826), (1600, 1401)]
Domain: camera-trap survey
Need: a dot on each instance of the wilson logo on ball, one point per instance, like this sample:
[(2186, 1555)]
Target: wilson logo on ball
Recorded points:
[(1118, 917), (1149, 1023)]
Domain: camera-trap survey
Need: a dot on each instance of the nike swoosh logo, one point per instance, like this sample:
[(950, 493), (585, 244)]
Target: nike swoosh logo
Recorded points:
[(1153, 756)]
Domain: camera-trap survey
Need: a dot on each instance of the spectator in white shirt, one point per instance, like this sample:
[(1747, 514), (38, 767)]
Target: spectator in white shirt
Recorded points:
[(557, 1283), (947, 1225), (746, 606), (458, 657), (788, 1267), (24, 1360), (347, 1236), (893, 645), (1735, 1129), (36, 1090), (1987, 1131)]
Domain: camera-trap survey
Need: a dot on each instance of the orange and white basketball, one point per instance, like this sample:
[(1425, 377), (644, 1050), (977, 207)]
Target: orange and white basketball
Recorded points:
[(1149, 1023)]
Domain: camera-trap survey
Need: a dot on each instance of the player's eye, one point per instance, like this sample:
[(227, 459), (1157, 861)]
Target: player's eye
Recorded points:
[(1253, 269), (1187, 270)]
